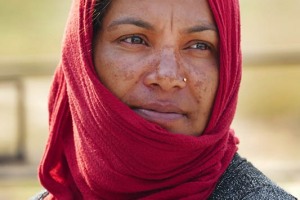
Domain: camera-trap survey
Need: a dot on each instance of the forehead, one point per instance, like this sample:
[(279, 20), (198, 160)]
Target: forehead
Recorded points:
[(188, 12)]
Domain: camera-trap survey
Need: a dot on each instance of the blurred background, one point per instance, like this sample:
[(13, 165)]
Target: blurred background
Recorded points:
[(268, 115)]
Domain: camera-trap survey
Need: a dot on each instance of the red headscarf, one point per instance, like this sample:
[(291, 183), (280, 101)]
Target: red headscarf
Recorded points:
[(99, 148)]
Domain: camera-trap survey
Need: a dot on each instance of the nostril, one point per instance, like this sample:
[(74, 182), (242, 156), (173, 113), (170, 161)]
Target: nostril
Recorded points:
[(166, 83), (155, 84)]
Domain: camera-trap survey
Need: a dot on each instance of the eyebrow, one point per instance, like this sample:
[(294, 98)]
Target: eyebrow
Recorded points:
[(201, 28), (146, 25), (130, 20)]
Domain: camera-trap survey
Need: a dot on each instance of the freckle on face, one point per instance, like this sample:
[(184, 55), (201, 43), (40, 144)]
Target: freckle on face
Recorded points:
[(141, 75)]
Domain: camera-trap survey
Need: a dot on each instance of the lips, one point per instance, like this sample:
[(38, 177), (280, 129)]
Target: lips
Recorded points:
[(162, 114)]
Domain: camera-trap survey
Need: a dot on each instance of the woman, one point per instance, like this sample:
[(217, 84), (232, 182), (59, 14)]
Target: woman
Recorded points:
[(141, 105)]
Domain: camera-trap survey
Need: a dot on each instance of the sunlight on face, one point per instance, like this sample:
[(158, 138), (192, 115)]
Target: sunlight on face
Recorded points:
[(160, 58)]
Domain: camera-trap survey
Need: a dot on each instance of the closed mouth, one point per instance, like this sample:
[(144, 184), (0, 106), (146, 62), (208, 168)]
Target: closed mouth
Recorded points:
[(158, 115), (163, 115)]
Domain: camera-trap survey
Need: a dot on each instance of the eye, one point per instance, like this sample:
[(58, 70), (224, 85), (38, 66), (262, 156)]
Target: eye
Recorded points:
[(200, 45), (134, 39)]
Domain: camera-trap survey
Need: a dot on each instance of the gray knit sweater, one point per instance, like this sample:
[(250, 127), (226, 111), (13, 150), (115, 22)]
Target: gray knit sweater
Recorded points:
[(241, 181)]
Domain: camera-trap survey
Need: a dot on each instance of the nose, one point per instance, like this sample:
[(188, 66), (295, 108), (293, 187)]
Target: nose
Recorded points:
[(167, 73)]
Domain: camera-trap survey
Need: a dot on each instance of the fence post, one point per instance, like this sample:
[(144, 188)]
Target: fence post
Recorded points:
[(20, 154)]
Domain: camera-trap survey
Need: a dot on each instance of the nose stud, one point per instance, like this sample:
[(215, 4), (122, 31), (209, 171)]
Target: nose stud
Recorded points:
[(184, 80)]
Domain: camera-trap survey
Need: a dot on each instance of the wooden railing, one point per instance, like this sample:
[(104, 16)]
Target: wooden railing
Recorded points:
[(14, 71)]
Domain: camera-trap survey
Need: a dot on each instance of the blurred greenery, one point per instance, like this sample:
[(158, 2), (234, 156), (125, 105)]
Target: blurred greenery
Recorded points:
[(16, 189), (32, 27), (36, 27), (270, 25), (270, 91)]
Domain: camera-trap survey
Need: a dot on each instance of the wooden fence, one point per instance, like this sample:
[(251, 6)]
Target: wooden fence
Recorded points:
[(14, 71)]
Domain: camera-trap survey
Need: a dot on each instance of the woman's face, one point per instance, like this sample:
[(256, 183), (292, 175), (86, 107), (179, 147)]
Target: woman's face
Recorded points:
[(160, 57)]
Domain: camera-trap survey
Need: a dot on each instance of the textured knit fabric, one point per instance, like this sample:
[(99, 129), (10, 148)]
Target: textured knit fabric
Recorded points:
[(241, 181), (99, 148)]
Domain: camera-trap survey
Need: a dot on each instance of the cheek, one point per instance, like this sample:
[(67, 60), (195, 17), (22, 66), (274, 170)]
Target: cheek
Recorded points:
[(205, 84), (120, 73), (114, 73), (111, 67)]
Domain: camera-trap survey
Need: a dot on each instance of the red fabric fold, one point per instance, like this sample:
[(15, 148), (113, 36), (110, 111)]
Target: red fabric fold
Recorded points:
[(98, 148)]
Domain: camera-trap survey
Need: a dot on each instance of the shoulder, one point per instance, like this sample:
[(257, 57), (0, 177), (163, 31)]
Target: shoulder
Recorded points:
[(40, 196), (243, 181)]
